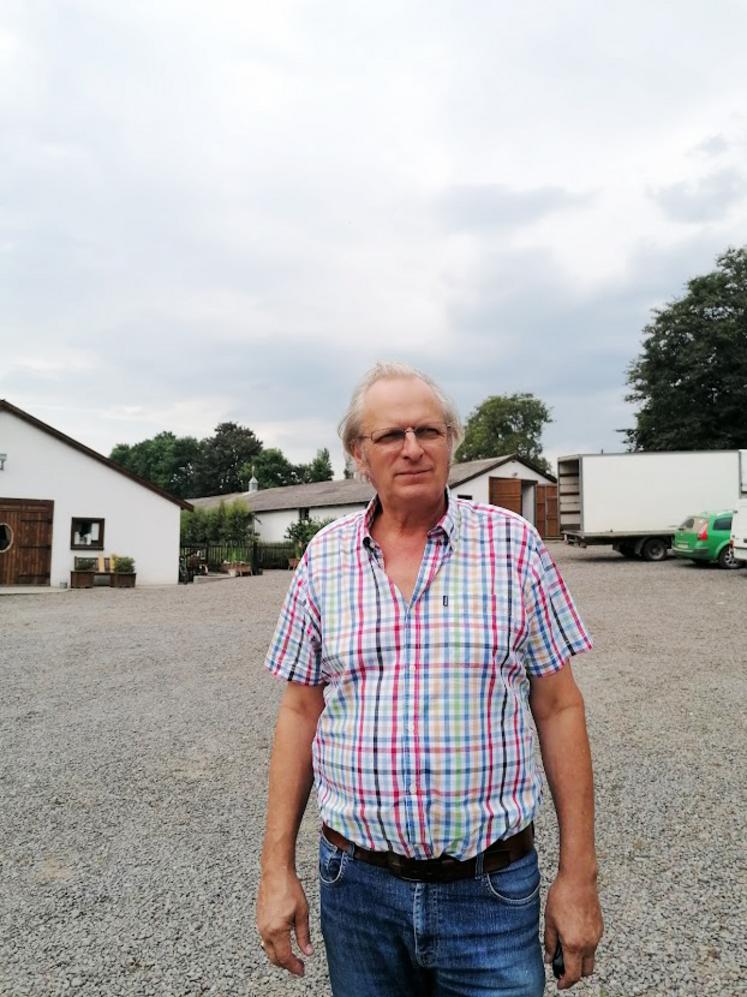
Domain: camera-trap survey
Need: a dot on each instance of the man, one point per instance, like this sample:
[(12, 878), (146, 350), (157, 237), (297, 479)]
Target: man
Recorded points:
[(414, 640)]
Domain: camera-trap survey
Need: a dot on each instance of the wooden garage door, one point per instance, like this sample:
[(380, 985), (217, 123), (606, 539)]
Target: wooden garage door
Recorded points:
[(547, 511), (26, 536), (505, 492)]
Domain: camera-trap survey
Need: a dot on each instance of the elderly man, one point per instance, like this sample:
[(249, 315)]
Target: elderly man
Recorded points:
[(415, 640)]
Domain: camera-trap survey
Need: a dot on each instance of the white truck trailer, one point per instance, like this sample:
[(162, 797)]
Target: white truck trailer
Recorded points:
[(739, 526), (634, 502)]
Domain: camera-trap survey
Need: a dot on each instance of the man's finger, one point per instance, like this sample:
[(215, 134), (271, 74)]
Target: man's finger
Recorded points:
[(572, 972), (587, 967), (303, 934), (280, 953), (551, 941)]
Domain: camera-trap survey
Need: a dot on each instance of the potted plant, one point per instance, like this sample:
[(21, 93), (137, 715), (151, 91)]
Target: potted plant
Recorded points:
[(81, 577), (123, 573)]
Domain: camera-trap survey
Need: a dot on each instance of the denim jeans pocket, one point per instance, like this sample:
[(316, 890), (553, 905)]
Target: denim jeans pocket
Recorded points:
[(518, 884), (332, 862)]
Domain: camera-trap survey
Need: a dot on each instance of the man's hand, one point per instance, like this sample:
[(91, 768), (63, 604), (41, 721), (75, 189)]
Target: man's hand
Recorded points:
[(573, 915), (282, 909)]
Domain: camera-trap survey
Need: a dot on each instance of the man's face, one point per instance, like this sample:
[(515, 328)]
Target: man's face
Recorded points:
[(415, 471)]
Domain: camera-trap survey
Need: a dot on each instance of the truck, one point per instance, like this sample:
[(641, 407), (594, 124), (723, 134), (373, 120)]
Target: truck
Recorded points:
[(739, 530), (634, 502)]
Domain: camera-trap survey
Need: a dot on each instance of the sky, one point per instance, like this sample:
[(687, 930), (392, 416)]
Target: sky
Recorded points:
[(230, 211)]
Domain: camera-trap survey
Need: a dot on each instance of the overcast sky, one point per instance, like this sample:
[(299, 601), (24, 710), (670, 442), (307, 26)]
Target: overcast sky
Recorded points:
[(228, 211)]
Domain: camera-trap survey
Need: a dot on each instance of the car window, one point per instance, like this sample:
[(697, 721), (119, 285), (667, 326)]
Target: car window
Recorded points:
[(688, 524), (722, 523)]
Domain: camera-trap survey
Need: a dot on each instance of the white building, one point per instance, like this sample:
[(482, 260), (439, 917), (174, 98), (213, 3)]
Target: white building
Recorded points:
[(510, 482), (60, 500)]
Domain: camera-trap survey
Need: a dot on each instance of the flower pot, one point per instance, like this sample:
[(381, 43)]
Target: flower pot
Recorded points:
[(81, 579), (123, 580)]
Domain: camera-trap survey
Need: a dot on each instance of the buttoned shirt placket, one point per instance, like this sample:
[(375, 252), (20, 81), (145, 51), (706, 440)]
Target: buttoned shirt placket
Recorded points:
[(435, 555)]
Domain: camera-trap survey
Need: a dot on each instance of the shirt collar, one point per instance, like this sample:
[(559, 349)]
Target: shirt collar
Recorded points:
[(447, 526)]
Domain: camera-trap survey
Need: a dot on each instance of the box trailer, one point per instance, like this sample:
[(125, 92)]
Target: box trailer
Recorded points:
[(739, 529), (634, 502)]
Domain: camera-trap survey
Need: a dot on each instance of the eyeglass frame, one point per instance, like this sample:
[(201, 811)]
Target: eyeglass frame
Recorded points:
[(405, 430)]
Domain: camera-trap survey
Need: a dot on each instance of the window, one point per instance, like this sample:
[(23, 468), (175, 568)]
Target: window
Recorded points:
[(303, 514), (87, 534), (468, 497), (6, 537), (722, 523)]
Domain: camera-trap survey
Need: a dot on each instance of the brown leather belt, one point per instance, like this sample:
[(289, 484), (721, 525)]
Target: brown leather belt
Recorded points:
[(445, 868)]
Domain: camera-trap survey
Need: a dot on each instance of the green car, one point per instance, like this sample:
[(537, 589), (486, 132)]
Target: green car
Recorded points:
[(705, 539)]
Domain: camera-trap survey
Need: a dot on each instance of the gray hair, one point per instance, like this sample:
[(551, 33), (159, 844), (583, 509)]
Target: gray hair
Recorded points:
[(350, 425)]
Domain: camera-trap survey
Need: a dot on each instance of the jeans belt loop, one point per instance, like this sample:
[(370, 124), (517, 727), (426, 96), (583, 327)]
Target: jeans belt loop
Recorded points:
[(479, 860)]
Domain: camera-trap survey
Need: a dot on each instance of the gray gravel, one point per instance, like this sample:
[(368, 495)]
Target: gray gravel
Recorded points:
[(136, 728)]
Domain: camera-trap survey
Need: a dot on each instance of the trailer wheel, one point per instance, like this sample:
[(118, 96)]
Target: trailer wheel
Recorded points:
[(654, 549)]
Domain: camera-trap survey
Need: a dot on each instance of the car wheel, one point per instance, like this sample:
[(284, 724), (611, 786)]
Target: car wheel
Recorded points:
[(654, 549), (726, 558)]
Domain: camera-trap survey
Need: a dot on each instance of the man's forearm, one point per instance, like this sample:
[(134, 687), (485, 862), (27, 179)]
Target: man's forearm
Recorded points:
[(290, 782), (567, 760)]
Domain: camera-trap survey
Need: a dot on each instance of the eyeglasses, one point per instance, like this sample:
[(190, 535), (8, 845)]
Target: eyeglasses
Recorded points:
[(394, 438)]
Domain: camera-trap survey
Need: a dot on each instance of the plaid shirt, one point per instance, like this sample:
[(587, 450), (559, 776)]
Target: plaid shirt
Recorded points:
[(425, 745)]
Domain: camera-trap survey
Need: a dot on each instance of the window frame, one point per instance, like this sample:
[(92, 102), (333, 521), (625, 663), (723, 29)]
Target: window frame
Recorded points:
[(98, 545)]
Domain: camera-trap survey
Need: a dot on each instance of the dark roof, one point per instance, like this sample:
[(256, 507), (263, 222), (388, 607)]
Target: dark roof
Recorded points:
[(38, 424), (343, 492)]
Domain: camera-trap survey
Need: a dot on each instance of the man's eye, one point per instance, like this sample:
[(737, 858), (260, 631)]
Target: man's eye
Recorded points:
[(428, 433), (391, 436)]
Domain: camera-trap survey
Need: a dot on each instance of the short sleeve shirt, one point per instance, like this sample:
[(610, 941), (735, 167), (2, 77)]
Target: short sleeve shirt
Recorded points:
[(425, 745)]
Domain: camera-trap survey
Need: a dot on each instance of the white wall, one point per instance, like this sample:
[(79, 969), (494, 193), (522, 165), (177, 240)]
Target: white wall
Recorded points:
[(138, 523), (271, 526)]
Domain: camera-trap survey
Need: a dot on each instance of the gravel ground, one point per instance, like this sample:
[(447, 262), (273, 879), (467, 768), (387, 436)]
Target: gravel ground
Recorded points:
[(136, 728)]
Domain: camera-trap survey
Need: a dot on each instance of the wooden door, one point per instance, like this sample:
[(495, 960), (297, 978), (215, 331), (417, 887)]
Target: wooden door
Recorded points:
[(26, 536), (547, 511), (505, 492)]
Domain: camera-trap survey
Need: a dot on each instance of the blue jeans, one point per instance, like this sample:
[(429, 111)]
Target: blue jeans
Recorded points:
[(390, 937)]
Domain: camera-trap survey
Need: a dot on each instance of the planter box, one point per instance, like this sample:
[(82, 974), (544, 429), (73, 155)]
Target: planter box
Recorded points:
[(123, 580), (237, 568), (81, 579)]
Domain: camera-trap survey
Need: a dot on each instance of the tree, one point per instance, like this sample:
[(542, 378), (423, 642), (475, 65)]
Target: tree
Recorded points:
[(272, 469), (169, 461), (320, 468), (231, 524), (303, 530), (691, 375), (224, 455), (506, 424)]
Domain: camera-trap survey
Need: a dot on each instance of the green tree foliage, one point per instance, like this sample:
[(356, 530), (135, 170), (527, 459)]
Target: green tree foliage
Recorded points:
[(506, 424), (169, 461), (320, 468), (217, 465), (224, 455), (231, 523), (272, 469), (691, 376), (302, 531)]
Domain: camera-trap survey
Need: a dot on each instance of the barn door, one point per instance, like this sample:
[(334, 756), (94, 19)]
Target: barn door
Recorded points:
[(547, 511), (505, 492), (25, 541)]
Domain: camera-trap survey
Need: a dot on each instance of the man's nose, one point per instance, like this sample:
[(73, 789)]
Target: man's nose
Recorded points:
[(411, 447)]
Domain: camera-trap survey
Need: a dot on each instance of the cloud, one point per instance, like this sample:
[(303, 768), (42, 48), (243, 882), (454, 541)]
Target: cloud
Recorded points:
[(714, 145), (480, 207), (704, 200)]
